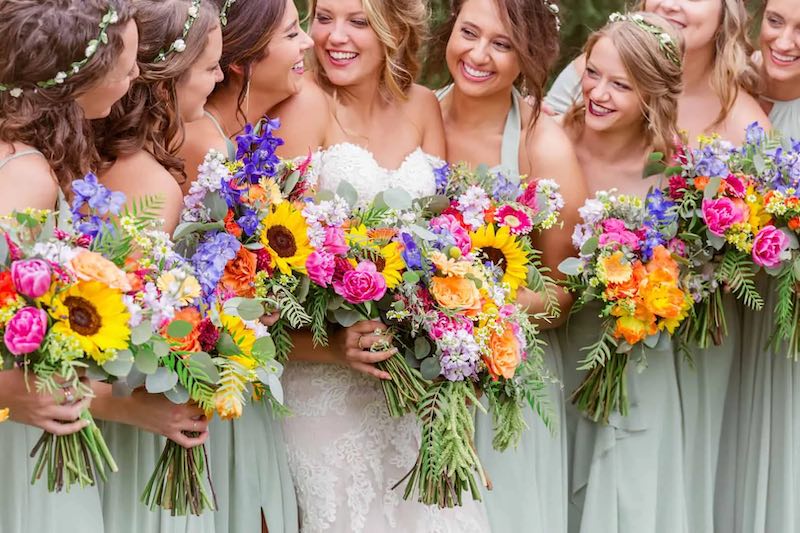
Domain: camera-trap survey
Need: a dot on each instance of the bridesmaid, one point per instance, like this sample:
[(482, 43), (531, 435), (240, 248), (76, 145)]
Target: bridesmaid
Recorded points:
[(138, 141), (262, 59), (46, 138), (626, 476), (486, 122), (768, 460), (719, 81)]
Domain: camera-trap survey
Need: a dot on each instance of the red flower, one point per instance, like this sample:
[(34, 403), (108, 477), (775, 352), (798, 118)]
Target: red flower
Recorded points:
[(342, 266), (677, 187), (208, 335), (263, 261), (7, 291)]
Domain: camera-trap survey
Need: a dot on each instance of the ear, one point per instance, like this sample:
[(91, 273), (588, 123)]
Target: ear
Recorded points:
[(237, 69)]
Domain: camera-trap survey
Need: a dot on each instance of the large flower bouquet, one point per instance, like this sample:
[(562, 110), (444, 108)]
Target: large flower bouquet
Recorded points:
[(626, 262), (456, 318)]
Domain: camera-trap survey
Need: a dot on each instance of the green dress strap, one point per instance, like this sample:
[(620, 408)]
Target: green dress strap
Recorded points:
[(228, 142), (17, 155)]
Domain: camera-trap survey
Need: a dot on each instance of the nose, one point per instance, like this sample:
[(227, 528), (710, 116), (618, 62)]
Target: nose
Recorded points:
[(479, 53), (305, 41), (668, 6), (786, 41), (338, 34), (599, 92), (218, 74)]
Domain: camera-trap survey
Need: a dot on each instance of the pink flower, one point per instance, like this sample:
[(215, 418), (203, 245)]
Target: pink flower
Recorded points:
[(735, 186), (25, 331), (516, 220), (334, 241), (677, 247), (361, 285), (446, 324), (528, 196), (320, 267), (614, 231), (454, 228), (32, 277), (769, 247), (677, 187), (720, 214)]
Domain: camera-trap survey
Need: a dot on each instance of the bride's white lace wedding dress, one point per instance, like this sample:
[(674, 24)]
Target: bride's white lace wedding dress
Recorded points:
[(345, 451)]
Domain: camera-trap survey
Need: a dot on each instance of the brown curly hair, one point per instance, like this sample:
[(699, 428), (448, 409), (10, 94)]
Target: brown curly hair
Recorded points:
[(401, 26), (534, 35), (40, 38), (655, 78), (245, 39), (148, 117)]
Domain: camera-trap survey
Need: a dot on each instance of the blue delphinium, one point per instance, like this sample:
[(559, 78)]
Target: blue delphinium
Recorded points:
[(92, 201), (504, 188), (256, 148), (442, 174), (411, 254), (755, 134), (210, 259), (660, 212), (248, 222), (709, 164)]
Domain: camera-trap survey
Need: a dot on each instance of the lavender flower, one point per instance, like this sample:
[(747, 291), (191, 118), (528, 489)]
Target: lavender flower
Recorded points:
[(210, 259), (411, 254), (442, 175), (459, 355)]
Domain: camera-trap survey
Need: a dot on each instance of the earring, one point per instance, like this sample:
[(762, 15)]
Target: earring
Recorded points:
[(247, 98)]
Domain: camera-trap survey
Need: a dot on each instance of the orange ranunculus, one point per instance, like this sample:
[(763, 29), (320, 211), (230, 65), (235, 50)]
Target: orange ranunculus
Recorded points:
[(628, 289), (240, 273), (256, 194), (794, 223), (488, 215), (506, 353), (700, 182), (615, 269), (91, 266), (456, 293), (631, 329), (8, 293), (191, 342), (662, 259), (231, 226)]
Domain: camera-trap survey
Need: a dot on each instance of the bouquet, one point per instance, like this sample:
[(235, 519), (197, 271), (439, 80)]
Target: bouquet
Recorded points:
[(627, 261)]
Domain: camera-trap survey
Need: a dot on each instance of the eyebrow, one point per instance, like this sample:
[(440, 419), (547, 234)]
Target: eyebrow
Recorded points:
[(291, 25), (475, 26), (624, 80)]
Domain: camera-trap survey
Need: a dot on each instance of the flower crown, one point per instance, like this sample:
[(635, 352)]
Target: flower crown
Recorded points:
[(665, 42), (553, 8), (179, 44), (223, 12), (111, 17)]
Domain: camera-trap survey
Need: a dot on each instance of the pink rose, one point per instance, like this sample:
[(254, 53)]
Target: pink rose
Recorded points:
[(32, 277), (735, 186), (720, 214), (614, 231), (361, 285), (528, 196), (452, 227), (25, 331), (320, 267), (334, 241), (769, 247)]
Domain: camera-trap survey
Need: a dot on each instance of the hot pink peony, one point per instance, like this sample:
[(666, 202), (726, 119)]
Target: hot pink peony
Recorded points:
[(32, 277), (25, 331), (334, 241), (769, 247), (528, 196), (735, 186), (320, 267), (720, 214), (614, 231), (361, 285)]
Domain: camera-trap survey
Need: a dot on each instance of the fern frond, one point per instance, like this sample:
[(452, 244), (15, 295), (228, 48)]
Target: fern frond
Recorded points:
[(198, 384), (601, 351), (737, 271), (318, 308), (282, 339)]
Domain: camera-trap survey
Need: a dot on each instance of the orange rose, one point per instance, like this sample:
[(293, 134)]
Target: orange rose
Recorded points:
[(794, 223), (456, 293), (700, 183), (506, 354), (8, 293), (191, 342), (628, 289), (91, 266), (662, 259), (240, 273), (231, 226)]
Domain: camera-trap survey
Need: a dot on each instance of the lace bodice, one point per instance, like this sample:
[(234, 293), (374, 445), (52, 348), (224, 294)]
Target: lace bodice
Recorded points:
[(356, 165), (345, 452)]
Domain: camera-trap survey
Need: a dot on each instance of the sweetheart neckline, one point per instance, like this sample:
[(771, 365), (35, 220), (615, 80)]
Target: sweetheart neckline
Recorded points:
[(372, 156)]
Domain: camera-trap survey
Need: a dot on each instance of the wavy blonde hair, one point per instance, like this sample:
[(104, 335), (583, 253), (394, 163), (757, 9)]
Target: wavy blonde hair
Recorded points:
[(733, 67), (401, 26), (655, 78)]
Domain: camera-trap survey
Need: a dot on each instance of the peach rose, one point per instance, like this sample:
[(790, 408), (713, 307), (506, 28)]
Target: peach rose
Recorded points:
[(191, 342), (456, 293), (91, 266), (506, 354), (240, 273)]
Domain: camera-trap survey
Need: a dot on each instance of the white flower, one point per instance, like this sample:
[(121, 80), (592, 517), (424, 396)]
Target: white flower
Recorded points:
[(592, 211), (16, 92), (194, 11), (114, 18), (91, 48), (212, 172), (179, 45), (60, 77), (134, 309), (56, 252)]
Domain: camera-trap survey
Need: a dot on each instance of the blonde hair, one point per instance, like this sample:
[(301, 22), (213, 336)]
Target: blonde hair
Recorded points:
[(655, 77), (401, 26), (733, 67)]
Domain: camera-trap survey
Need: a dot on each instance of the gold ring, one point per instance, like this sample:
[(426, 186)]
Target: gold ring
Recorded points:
[(359, 342)]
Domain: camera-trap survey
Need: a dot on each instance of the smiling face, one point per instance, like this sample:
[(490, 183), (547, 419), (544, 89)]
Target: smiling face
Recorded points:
[(282, 67), (611, 101), (698, 20), (198, 82), (780, 40), (345, 45), (479, 53)]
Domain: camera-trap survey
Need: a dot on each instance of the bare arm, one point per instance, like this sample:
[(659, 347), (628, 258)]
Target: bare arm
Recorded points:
[(429, 115), (40, 190), (304, 121)]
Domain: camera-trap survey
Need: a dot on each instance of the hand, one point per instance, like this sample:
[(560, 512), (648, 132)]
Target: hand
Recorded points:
[(157, 414), (270, 319), (352, 345), (59, 415)]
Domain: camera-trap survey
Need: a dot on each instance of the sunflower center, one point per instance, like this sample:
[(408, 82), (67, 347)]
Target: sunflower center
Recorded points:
[(282, 241), (83, 316), (496, 256)]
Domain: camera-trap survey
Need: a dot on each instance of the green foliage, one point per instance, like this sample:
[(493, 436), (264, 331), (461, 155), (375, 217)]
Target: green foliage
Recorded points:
[(785, 308), (601, 351), (193, 378), (283, 340), (737, 271)]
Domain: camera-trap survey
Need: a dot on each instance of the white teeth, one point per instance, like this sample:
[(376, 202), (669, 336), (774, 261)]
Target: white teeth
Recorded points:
[(342, 56), (784, 58), (476, 73), (597, 109), (298, 66)]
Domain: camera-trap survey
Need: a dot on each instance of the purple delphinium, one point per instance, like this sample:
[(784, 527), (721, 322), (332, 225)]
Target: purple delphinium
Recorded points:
[(210, 259), (256, 150), (248, 222), (410, 253), (505, 189), (709, 164), (442, 175)]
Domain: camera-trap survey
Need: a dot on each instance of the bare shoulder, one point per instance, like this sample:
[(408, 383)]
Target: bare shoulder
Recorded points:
[(421, 102), (200, 137), (41, 187), (548, 142), (304, 119), (745, 111)]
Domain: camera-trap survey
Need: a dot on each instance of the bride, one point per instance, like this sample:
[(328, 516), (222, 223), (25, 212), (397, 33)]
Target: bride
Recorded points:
[(379, 130)]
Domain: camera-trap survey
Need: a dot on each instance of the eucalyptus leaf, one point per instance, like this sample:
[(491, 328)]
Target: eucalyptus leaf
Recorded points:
[(203, 362), (346, 317), (142, 333), (135, 379), (275, 387), (249, 309), (410, 277), (185, 229), (711, 188), (571, 266), (162, 380), (178, 329), (324, 196), (226, 345), (291, 182), (92, 371), (160, 348), (422, 348), (430, 368), (120, 365), (348, 193), (397, 199), (651, 341), (48, 228), (216, 206), (715, 240), (3, 251), (590, 246), (146, 361), (177, 394), (438, 203), (422, 233), (759, 163), (264, 348)]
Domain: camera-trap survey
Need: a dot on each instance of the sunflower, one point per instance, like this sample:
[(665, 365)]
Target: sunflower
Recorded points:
[(504, 251), (387, 258), (95, 314), (285, 235), (244, 337)]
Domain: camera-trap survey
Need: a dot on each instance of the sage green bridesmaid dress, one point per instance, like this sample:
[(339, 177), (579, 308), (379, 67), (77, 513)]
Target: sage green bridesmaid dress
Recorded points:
[(530, 481)]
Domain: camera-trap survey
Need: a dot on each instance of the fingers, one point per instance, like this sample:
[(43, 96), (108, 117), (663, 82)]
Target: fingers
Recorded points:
[(187, 441), (370, 370), (361, 356), (67, 413), (61, 429), (197, 424), (367, 326), (366, 342), (270, 319)]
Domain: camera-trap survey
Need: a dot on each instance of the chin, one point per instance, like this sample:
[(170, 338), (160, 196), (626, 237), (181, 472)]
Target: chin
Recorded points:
[(783, 73)]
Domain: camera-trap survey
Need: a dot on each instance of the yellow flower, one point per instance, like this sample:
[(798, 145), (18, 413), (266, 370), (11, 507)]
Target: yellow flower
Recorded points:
[(285, 236), (94, 314), (614, 268), (448, 266), (758, 215), (505, 251), (387, 258), (243, 336), (4, 414), (183, 288)]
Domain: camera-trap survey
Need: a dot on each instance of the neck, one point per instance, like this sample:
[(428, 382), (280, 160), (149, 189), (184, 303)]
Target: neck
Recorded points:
[(614, 145), (782, 90), (697, 67), (482, 113), (224, 105), (361, 99)]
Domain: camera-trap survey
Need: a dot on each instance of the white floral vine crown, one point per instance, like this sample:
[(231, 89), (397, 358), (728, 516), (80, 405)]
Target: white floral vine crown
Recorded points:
[(223, 12), (553, 8), (665, 42), (179, 44), (110, 17)]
